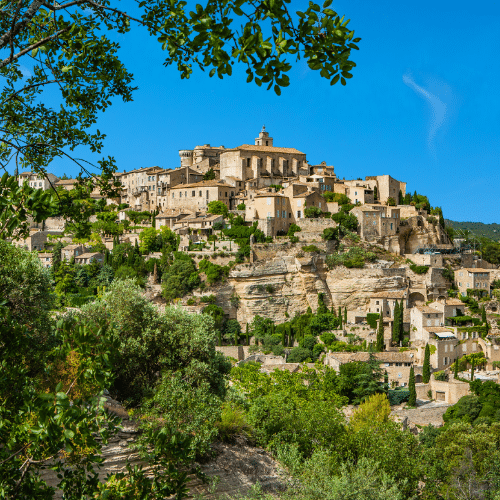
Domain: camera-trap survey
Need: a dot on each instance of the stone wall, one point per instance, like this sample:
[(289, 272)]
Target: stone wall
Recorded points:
[(313, 228), (449, 392), (426, 259), (238, 352)]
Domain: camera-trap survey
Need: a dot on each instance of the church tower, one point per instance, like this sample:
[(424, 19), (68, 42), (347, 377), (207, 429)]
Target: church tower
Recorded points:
[(264, 139)]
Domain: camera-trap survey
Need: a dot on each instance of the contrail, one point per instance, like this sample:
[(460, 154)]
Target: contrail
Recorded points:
[(438, 110)]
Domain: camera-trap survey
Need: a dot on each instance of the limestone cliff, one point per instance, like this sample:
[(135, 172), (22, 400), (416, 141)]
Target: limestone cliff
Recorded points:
[(416, 232)]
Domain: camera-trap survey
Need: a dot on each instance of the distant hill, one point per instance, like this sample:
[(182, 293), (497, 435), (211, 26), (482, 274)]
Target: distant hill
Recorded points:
[(491, 231)]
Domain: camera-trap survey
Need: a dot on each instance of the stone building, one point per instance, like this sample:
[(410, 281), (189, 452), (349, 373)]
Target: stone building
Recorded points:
[(473, 279), (38, 181), (359, 192), (261, 161), (88, 257), (70, 251), (198, 195), (387, 187), (140, 188), (45, 259), (376, 221)]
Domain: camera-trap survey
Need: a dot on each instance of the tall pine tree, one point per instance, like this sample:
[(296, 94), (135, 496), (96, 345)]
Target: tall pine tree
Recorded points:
[(395, 324), (340, 318), (457, 363), (412, 400), (247, 334), (345, 315), (380, 335), (426, 370), (483, 315)]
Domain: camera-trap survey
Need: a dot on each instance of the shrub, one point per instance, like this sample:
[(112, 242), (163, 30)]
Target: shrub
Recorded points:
[(293, 229), (372, 318), (328, 338), (208, 299), (218, 208), (419, 269), (269, 289), (241, 206), (312, 212), (233, 424), (396, 397), (311, 249), (299, 355), (330, 233), (191, 302)]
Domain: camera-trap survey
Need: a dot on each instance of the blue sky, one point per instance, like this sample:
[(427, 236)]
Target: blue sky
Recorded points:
[(423, 105)]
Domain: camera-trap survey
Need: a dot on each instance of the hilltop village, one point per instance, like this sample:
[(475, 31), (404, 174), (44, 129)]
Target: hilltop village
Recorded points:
[(295, 264)]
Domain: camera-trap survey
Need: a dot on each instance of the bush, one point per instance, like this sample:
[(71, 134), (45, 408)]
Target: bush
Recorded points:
[(330, 233), (396, 397), (294, 239), (241, 206), (299, 355), (233, 424), (293, 229), (191, 302), (341, 199), (218, 208), (208, 299), (419, 269), (372, 318), (328, 338), (312, 212), (311, 249)]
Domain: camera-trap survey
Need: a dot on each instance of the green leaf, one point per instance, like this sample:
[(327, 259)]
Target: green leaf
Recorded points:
[(342, 81), (277, 90), (69, 434), (34, 52), (65, 69)]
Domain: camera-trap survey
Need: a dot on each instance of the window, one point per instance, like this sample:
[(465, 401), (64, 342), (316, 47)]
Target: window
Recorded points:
[(319, 205), (299, 202), (200, 194), (226, 194), (186, 194), (355, 193), (232, 194), (207, 193), (269, 214), (376, 302), (299, 214), (193, 193), (468, 285), (180, 194), (290, 214), (277, 213), (460, 273)]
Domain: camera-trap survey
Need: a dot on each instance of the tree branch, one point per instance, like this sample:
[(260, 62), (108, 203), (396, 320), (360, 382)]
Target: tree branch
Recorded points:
[(27, 88), (32, 9), (31, 47)]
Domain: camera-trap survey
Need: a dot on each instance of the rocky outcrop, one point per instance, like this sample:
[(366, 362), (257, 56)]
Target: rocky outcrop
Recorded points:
[(417, 232)]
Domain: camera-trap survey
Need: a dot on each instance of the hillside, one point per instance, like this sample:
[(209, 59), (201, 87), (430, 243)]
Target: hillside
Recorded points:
[(491, 231)]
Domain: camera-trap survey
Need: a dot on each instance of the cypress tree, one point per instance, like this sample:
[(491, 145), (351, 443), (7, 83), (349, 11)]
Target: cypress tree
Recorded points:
[(472, 370), (407, 198), (375, 193), (401, 321), (333, 311), (395, 323), (400, 199), (247, 335), (340, 312), (345, 315), (380, 335), (415, 197), (236, 338), (283, 338), (340, 319), (219, 335), (412, 400), (483, 315), (456, 369), (426, 371)]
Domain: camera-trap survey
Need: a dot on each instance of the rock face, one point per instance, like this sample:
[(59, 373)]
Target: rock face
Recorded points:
[(286, 285), (417, 232)]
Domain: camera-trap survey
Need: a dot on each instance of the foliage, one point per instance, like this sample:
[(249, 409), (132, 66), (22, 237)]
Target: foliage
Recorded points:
[(371, 319), (330, 233), (151, 343), (396, 397), (380, 335), (293, 229), (419, 269), (213, 272), (426, 370), (138, 217), (51, 408), (218, 208), (241, 206), (375, 410), (312, 212), (233, 423), (341, 199), (354, 257), (25, 288), (412, 399), (311, 249), (180, 278), (391, 202), (347, 221), (209, 175)]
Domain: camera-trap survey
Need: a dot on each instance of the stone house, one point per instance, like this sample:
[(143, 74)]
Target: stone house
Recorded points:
[(171, 178), (376, 222), (70, 251), (88, 257), (472, 279), (201, 157), (272, 210), (37, 240), (449, 307), (38, 181), (359, 192), (387, 187), (424, 316), (197, 196), (384, 303), (45, 259), (203, 224), (396, 364), (170, 216), (140, 188)]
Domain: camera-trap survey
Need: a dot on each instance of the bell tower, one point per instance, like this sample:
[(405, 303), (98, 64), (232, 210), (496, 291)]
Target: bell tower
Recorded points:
[(264, 139)]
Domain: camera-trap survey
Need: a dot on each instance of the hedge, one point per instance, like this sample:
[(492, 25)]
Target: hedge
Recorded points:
[(371, 319), (396, 397)]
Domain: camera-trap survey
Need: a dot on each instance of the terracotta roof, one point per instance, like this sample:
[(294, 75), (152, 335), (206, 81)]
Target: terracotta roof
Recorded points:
[(397, 294), (268, 195), (72, 247), (65, 181), (454, 302), (437, 329), (349, 357), (427, 309), (87, 255), (267, 149), (201, 218), (212, 183), (43, 255), (475, 270)]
